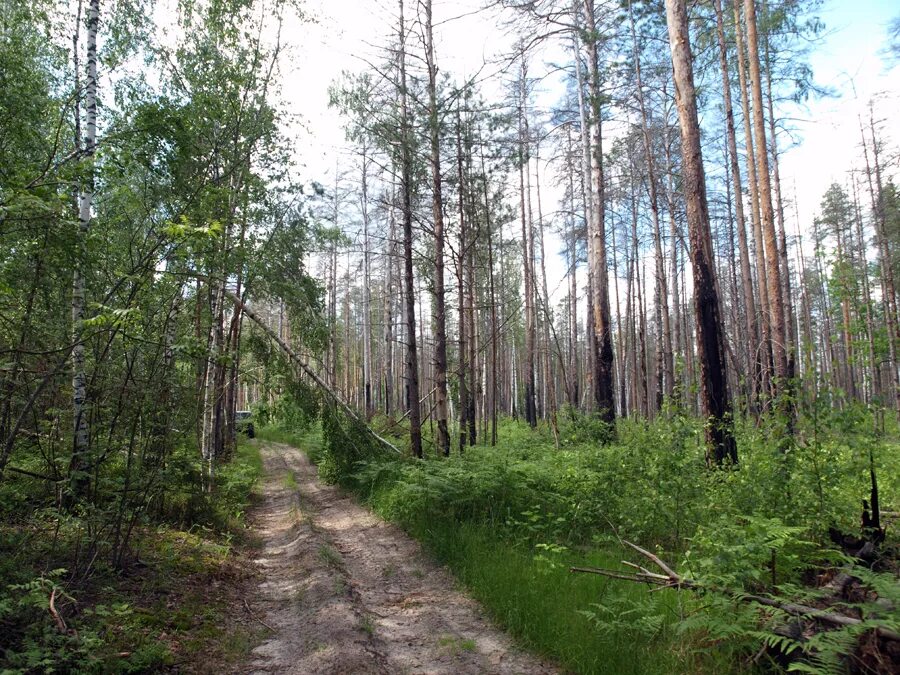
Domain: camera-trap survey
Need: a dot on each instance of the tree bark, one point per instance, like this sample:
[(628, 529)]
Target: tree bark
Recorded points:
[(752, 183), (604, 365), (527, 253), (440, 317), (412, 373), (461, 286), (664, 348), (369, 406), (493, 389), (80, 479), (713, 385), (773, 267), (750, 312), (388, 304)]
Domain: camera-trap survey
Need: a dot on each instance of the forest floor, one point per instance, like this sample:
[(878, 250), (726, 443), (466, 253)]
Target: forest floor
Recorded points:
[(344, 592)]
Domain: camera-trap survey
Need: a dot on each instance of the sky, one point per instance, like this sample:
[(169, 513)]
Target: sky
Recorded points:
[(823, 144)]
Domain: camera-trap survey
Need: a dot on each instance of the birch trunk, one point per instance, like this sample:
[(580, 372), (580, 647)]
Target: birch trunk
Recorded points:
[(80, 478)]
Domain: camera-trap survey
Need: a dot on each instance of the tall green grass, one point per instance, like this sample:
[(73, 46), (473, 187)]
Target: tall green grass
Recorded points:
[(540, 602)]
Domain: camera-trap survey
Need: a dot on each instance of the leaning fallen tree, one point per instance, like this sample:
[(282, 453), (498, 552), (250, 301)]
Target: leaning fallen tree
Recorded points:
[(304, 367), (671, 579)]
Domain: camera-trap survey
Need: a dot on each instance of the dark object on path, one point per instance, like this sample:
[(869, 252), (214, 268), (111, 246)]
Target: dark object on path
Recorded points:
[(243, 421)]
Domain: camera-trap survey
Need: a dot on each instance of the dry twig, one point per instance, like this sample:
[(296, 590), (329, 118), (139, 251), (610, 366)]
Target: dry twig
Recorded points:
[(671, 579)]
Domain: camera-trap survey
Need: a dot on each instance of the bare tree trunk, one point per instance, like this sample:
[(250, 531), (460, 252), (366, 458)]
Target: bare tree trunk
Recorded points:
[(348, 365), (78, 468), (888, 289), (463, 247), (713, 385), (440, 317), (784, 256), (367, 292), (874, 381), (493, 389), (638, 323), (331, 353), (846, 332), (741, 363), (590, 336), (572, 249), (628, 352), (750, 312), (549, 380), (825, 335), (664, 348), (527, 251), (809, 349), (388, 311), (773, 267), (473, 343), (412, 372), (603, 368), (678, 340), (752, 182), (623, 404)]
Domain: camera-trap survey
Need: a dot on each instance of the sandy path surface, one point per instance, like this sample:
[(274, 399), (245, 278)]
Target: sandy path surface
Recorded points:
[(345, 592)]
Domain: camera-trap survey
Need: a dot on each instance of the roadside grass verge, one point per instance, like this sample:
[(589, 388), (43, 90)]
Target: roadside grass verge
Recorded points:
[(586, 623), (310, 440), (555, 613)]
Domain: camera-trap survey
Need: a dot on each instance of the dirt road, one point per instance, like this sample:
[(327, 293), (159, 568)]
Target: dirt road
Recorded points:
[(344, 592)]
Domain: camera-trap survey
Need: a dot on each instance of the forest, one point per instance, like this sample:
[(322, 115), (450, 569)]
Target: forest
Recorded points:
[(543, 366)]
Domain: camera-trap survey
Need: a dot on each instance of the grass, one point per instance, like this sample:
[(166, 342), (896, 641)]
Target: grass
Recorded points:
[(330, 556), (289, 481), (276, 434), (367, 625), (541, 603), (456, 645)]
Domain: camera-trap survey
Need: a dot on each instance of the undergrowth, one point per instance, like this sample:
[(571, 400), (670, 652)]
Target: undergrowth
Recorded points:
[(168, 604), (510, 520)]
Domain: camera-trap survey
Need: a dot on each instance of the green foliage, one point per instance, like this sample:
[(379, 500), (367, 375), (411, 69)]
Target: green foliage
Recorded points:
[(31, 639), (748, 552), (759, 527), (345, 443), (298, 408)]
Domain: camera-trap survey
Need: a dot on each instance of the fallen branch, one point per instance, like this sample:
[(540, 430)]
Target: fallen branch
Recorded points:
[(32, 474), (296, 358), (254, 617), (60, 624), (672, 579)]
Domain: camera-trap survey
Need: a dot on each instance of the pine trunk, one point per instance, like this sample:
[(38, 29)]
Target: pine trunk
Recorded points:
[(713, 385)]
